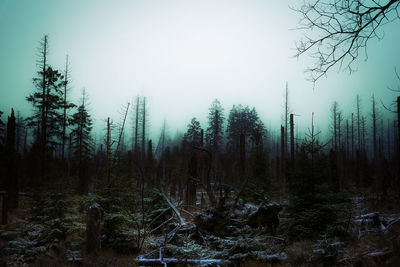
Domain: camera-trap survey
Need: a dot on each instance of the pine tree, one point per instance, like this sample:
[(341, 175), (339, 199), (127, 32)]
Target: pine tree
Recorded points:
[(214, 132), (242, 120), (46, 101), (82, 143), (48, 126), (193, 133)]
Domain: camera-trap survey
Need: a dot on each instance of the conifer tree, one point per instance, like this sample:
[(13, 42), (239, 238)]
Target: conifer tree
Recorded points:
[(46, 100), (82, 143), (193, 133), (214, 132), (242, 120)]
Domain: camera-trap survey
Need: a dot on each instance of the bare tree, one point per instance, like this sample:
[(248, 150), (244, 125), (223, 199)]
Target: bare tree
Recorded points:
[(66, 105), (374, 126), (358, 123), (338, 29)]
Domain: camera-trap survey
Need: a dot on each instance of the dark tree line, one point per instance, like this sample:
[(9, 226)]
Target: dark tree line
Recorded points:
[(231, 151)]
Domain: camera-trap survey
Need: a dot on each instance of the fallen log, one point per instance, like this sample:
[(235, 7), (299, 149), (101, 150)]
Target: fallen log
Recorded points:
[(165, 261), (176, 211)]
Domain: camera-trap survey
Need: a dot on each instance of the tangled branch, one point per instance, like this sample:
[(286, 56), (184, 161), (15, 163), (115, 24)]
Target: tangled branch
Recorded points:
[(338, 29)]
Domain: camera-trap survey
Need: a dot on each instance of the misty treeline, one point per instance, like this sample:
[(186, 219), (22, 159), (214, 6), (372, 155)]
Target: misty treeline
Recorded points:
[(55, 147)]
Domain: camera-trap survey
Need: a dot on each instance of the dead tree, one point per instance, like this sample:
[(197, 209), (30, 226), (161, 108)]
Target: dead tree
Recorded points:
[(108, 149), (283, 151), (135, 136), (352, 136), (398, 127), (65, 107), (358, 123), (374, 127), (339, 29), (121, 131), (286, 117), (347, 138), (11, 173), (143, 127), (292, 139), (93, 230)]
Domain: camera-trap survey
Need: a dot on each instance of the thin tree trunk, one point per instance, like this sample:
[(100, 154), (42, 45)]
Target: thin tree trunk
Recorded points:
[(292, 139), (374, 126), (64, 126), (43, 133), (144, 128), (352, 136), (136, 126), (358, 123)]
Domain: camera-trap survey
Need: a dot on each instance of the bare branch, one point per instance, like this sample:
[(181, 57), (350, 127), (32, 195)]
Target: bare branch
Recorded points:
[(338, 29)]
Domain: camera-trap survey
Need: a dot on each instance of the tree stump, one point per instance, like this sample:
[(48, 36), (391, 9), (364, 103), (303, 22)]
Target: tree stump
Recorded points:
[(93, 231)]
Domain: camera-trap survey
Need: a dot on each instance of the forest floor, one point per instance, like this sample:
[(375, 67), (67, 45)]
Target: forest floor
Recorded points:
[(49, 230)]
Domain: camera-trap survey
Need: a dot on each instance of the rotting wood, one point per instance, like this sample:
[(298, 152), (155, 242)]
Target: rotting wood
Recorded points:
[(165, 261), (181, 220)]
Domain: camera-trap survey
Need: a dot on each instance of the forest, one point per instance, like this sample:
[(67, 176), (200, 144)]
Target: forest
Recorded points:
[(230, 191)]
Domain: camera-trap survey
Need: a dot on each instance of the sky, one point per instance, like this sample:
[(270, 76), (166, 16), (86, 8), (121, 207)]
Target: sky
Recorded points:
[(182, 55)]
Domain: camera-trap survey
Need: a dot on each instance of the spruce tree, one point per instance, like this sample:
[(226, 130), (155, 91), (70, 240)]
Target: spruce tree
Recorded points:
[(193, 133), (82, 143), (46, 100), (242, 120), (214, 132)]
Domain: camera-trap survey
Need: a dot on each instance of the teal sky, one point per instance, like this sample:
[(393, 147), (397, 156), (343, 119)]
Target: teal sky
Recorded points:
[(182, 55)]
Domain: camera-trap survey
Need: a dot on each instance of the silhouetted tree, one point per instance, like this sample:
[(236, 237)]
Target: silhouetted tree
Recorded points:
[(2, 125), (374, 127), (11, 173), (340, 29), (65, 106), (193, 133), (82, 143), (244, 121), (143, 120), (334, 124), (48, 132), (136, 125), (259, 159), (214, 132)]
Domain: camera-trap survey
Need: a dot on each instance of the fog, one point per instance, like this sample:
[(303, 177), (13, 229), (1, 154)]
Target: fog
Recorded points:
[(182, 55)]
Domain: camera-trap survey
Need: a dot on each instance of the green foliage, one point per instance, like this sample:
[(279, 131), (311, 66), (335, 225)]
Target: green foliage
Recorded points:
[(242, 120), (193, 133), (82, 126), (314, 204), (214, 132), (47, 118)]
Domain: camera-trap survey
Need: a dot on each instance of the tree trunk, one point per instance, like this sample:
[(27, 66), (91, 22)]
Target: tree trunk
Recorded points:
[(11, 174), (292, 139), (242, 157), (374, 127), (144, 128)]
